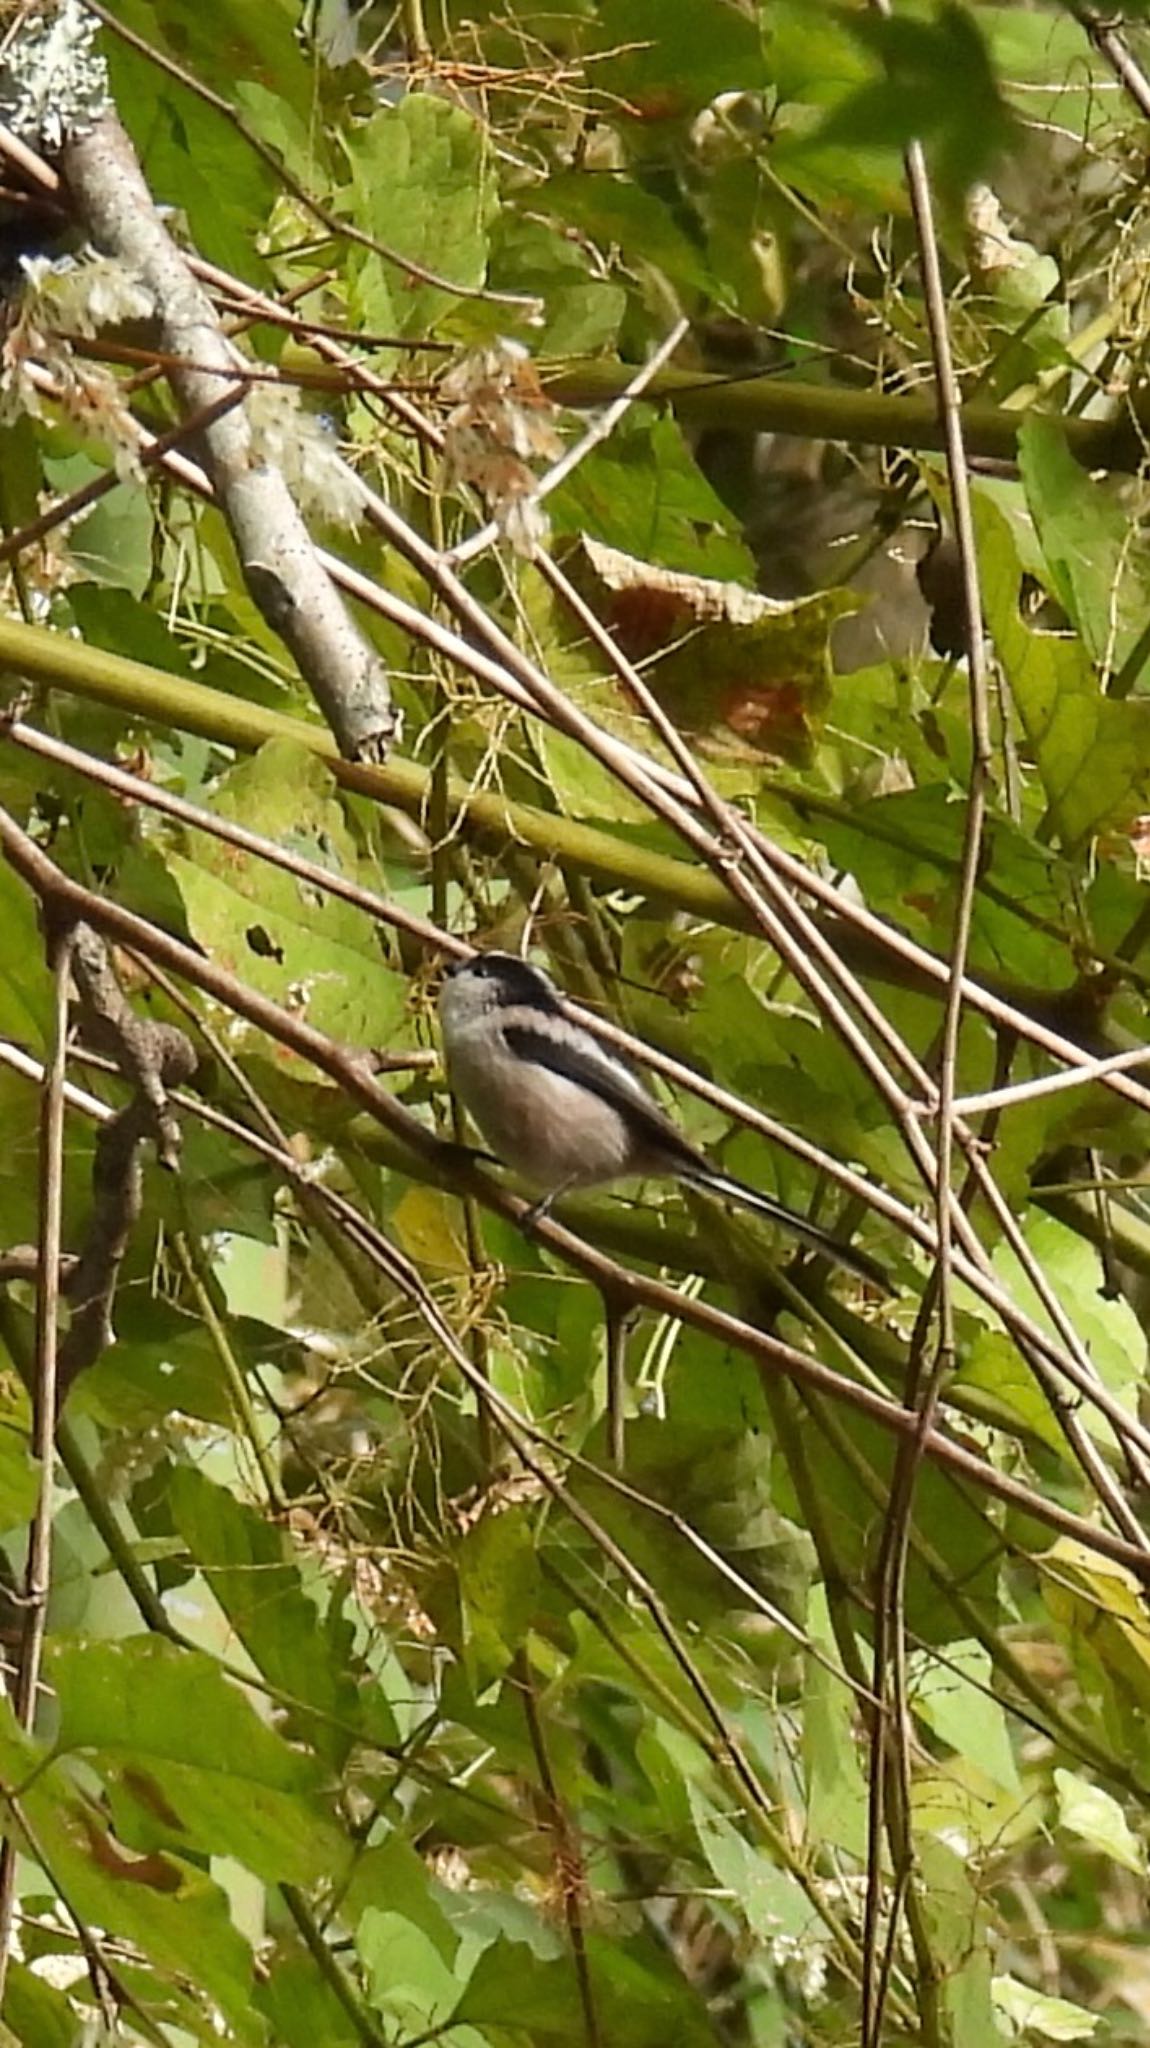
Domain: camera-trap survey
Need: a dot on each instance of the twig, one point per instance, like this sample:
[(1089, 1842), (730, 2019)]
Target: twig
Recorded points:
[(1053, 1084), (153, 1058), (352, 1076), (726, 1329), (27, 161), (1103, 28), (38, 1568), (890, 1775), (570, 1870), (599, 430)]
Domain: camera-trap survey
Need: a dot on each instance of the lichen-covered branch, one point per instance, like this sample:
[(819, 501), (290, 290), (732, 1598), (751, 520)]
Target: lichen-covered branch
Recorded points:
[(281, 566)]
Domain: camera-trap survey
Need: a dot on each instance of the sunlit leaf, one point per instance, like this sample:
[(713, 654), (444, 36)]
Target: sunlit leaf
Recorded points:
[(1028, 2011), (1087, 1810)]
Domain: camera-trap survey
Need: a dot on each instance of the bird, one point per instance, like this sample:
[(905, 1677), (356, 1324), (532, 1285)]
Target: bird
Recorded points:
[(564, 1113)]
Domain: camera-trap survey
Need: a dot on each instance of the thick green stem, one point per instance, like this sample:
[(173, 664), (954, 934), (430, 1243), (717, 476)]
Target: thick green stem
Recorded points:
[(821, 412)]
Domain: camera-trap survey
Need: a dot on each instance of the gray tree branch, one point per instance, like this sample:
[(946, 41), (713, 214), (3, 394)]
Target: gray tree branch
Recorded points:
[(281, 566)]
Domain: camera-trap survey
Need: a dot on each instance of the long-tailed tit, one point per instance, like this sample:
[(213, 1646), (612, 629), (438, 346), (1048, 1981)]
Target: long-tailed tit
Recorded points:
[(565, 1113)]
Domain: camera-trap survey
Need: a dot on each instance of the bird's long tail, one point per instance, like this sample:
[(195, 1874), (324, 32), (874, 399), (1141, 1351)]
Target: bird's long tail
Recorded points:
[(711, 1182)]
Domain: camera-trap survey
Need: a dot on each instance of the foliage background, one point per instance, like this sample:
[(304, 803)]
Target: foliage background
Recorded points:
[(371, 1711)]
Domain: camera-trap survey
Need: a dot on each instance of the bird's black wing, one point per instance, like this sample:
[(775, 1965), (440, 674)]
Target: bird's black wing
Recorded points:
[(580, 1060)]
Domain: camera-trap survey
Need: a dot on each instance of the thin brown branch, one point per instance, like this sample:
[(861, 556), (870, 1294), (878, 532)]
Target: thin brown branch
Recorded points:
[(352, 1076), (569, 1864), (359, 1231), (152, 1057), (28, 162), (59, 938), (1032, 1339), (976, 1267), (800, 952), (376, 1248), (890, 1774), (1104, 28)]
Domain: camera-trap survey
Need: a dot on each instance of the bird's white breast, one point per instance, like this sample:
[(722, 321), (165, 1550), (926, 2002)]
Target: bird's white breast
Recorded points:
[(547, 1128)]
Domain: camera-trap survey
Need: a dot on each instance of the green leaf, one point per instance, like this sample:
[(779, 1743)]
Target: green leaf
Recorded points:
[(581, 309), (225, 48), (1027, 2011), (939, 88), (905, 850), (191, 152), (390, 1877), (111, 544), (499, 1587), (410, 1981), (116, 620), (1050, 54), (247, 1565), (38, 2015), (770, 1899), (161, 1363), (423, 184), (1096, 561), (748, 674), (166, 1908), (19, 1471), (1093, 755), (613, 210), (991, 1362), (25, 987), (639, 2001), (955, 1918), (319, 956), (216, 1779), (1086, 1810), (21, 471), (956, 1530), (955, 1701), (643, 493), (665, 62), (835, 1786), (299, 2003), (1074, 1269)]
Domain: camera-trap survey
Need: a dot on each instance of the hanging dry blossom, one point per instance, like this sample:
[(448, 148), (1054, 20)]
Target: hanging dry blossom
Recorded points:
[(39, 372), (305, 450), (501, 419)]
